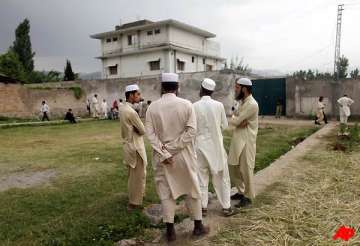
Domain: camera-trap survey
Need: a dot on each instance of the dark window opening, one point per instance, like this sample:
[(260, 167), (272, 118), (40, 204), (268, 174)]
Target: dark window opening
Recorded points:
[(192, 59), (130, 39), (115, 39), (180, 65), (108, 40), (204, 61), (149, 33), (113, 70), (154, 65), (157, 31)]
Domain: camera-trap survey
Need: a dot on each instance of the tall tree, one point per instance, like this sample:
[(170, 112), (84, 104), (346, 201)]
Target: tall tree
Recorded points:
[(11, 66), (354, 73), (69, 75), (22, 45), (342, 66)]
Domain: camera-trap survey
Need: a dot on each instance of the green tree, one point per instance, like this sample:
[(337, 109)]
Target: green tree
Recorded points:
[(310, 75), (43, 76), (22, 46), (11, 66), (342, 66), (69, 75), (354, 73)]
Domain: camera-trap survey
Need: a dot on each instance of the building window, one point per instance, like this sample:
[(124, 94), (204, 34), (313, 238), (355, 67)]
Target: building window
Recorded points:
[(113, 70), (209, 67), (180, 65), (154, 65), (130, 39), (204, 61), (108, 40), (115, 39), (157, 31), (192, 59), (149, 33)]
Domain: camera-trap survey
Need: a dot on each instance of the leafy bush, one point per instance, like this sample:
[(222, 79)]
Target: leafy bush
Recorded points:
[(78, 92)]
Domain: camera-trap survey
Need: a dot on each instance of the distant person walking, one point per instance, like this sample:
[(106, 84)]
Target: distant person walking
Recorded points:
[(104, 109), (320, 113), (95, 106), (279, 108), (70, 116), (88, 107), (345, 103), (45, 111)]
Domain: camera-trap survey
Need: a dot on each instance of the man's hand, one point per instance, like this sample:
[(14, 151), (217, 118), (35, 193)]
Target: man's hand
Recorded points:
[(169, 161), (136, 130), (244, 124)]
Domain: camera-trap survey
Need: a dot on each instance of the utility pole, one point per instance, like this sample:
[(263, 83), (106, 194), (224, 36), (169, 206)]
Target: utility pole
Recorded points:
[(338, 39)]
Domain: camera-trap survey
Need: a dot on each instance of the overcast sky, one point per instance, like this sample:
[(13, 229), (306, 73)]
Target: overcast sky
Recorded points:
[(281, 35)]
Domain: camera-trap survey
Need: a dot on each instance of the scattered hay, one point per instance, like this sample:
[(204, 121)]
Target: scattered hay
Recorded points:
[(306, 208)]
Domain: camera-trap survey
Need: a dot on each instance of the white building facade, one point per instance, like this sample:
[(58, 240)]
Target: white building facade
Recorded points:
[(146, 48)]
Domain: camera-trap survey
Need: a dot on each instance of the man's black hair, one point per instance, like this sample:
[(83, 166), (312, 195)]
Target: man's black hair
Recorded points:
[(248, 87), (127, 94), (169, 87), (205, 92)]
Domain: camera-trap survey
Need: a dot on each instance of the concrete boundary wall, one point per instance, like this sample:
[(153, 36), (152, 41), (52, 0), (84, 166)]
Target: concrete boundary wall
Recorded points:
[(302, 96), (24, 101)]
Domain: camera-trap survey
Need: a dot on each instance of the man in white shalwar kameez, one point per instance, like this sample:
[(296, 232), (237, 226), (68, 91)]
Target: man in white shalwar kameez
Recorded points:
[(211, 155), (345, 103), (171, 129), (134, 153), (104, 109), (95, 106), (243, 143)]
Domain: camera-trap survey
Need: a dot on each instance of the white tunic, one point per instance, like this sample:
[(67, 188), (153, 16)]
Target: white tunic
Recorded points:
[(211, 120), (345, 103), (104, 107)]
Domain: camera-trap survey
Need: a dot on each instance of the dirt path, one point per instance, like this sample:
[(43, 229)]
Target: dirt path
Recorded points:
[(263, 179), (25, 179)]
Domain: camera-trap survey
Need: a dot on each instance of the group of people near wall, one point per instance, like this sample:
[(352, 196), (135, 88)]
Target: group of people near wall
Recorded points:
[(344, 103), (45, 111), (97, 110), (188, 150)]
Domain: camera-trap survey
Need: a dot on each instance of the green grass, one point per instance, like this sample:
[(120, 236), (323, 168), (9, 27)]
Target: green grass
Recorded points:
[(274, 141), (86, 203)]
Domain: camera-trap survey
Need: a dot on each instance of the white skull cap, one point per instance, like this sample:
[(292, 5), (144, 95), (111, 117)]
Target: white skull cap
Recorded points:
[(208, 84), (244, 81), (169, 77), (133, 87)]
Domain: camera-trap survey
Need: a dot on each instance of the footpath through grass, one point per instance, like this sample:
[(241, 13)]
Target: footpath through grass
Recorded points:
[(308, 205), (85, 204)]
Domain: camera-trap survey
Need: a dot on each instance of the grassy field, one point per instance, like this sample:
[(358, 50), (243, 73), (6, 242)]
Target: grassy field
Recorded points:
[(307, 206), (85, 204)]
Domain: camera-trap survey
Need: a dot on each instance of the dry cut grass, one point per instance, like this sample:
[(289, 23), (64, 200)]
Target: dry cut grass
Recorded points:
[(307, 207)]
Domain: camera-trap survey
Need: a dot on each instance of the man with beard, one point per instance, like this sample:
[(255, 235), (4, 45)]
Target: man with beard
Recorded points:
[(134, 154), (171, 130), (243, 144), (211, 155)]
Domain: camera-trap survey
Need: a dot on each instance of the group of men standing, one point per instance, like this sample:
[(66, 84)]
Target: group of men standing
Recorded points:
[(188, 149)]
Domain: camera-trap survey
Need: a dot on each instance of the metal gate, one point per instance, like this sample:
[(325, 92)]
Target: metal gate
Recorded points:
[(268, 92)]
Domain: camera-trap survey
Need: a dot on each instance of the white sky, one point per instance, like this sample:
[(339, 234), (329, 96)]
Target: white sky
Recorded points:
[(282, 35)]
